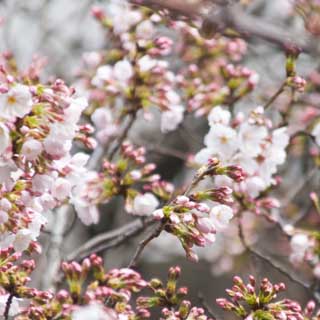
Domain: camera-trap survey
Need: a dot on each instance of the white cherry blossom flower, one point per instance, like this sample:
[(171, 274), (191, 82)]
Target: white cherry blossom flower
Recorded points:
[(122, 16), (221, 216), (299, 244), (4, 217), (144, 204), (88, 214), (22, 240), (101, 118), (253, 186), (6, 239), (146, 63), (61, 189), (123, 71), (31, 149), (251, 138), (219, 115), (73, 112), (103, 74), (42, 182), (204, 155), (171, 119), (17, 102), (145, 30), (222, 139)]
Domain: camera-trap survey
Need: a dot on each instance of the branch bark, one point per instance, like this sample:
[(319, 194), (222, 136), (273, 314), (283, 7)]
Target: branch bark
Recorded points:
[(233, 17), (110, 239)]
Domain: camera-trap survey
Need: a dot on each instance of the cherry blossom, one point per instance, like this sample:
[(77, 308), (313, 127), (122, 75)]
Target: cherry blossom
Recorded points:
[(17, 102), (144, 204)]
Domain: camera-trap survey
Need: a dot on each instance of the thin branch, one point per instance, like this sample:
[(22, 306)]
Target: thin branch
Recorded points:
[(8, 305), (206, 306), (273, 264), (167, 152), (123, 135), (244, 24), (298, 187), (110, 239), (275, 96), (155, 233)]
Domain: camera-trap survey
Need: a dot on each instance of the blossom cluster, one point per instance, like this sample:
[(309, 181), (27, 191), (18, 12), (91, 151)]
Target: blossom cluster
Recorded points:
[(135, 75), (152, 64), (304, 245), (134, 71), (250, 142), (38, 125), (191, 219)]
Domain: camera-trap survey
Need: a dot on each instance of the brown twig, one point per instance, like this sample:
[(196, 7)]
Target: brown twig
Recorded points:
[(244, 24), (206, 306), (8, 305), (273, 264), (155, 233), (110, 239), (275, 96), (123, 136), (167, 152)]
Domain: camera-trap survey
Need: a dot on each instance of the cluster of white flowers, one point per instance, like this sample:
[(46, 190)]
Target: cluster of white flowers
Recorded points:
[(37, 171), (115, 79), (246, 141)]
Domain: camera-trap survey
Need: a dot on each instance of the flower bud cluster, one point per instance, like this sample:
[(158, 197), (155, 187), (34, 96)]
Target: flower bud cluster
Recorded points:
[(122, 177), (254, 301), (211, 78), (88, 284), (133, 72), (191, 219), (170, 295), (93, 292), (14, 272)]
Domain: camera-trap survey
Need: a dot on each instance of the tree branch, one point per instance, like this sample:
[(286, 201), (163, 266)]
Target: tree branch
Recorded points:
[(8, 305), (110, 239), (244, 24), (155, 233), (123, 135)]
